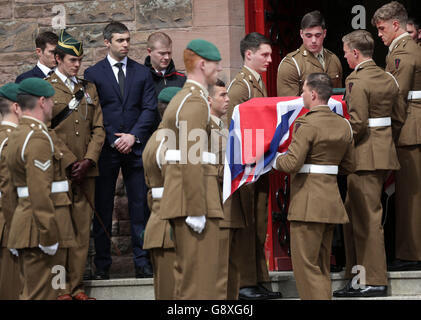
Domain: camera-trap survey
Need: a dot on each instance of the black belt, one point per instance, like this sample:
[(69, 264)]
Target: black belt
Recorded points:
[(63, 114)]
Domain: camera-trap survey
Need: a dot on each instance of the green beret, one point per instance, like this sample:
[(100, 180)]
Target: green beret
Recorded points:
[(69, 45), (36, 87), (10, 91), (167, 93), (205, 49)]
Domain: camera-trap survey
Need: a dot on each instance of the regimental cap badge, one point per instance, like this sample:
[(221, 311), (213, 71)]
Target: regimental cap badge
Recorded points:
[(69, 45), (397, 62)]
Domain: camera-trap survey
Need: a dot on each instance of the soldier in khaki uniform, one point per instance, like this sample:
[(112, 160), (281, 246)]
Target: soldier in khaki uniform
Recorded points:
[(229, 243), (158, 238), (10, 282), (404, 62), (321, 147), (41, 229), (371, 95), (191, 199), (310, 57), (247, 84), (77, 121)]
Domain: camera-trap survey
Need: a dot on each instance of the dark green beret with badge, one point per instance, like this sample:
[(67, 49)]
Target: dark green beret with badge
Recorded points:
[(10, 91), (205, 49), (168, 93), (36, 87), (69, 45)]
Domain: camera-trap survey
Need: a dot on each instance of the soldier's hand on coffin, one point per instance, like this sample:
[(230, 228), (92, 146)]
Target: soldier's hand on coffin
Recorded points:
[(80, 169)]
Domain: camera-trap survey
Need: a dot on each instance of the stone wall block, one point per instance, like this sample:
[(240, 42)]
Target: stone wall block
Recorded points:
[(156, 14), (17, 36), (6, 9), (99, 11)]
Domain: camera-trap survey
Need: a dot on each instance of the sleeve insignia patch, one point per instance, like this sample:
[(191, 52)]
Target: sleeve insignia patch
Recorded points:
[(43, 166)]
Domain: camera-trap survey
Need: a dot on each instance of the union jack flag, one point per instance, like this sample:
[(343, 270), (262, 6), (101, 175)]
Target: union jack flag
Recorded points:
[(259, 129)]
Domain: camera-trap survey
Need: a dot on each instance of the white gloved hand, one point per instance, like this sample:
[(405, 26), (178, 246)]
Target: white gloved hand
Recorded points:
[(50, 250), (14, 252), (196, 223)]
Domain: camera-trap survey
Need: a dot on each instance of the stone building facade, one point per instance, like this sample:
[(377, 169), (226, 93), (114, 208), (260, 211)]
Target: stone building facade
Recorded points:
[(219, 21)]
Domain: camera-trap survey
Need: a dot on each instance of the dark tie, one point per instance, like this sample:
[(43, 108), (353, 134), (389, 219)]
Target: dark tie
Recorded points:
[(121, 77), (50, 72)]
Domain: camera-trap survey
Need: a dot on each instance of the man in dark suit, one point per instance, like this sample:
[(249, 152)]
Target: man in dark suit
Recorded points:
[(45, 45), (128, 100)]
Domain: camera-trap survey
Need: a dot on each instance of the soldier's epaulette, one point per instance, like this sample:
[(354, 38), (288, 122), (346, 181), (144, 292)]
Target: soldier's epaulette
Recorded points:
[(294, 53), (36, 130)]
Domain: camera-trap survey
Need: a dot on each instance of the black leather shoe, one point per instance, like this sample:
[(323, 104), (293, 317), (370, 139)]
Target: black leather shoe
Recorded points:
[(270, 294), (372, 291), (251, 293), (101, 275), (368, 291), (144, 272), (404, 265), (346, 291)]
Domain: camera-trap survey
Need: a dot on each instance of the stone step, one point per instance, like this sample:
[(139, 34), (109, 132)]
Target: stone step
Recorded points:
[(402, 286)]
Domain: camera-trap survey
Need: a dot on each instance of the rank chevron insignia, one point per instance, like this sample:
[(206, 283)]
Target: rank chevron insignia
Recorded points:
[(43, 166)]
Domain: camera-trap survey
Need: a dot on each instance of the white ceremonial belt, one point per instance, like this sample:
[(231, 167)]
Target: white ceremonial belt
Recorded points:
[(412, 95), (319, 168), (56, 187), (379, 122), (157, 192), (175, 155)]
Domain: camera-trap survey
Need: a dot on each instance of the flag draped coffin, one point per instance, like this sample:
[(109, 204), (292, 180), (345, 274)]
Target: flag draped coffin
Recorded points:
[(259, 129)]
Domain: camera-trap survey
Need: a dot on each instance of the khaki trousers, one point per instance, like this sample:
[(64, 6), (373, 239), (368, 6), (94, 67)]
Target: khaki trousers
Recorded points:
[(252, 260), (82, 214), (196, 261), (10, 280), (162, 261), (408, 204), (364, 236), (311, 245), (229, 269), (36, 268)]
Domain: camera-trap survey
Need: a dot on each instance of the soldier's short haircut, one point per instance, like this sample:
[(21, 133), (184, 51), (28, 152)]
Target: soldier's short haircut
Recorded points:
[(415, 22), (5, 106), (190, 58), (361, 40), (313, 19), (114, 27), (27, 101), (158, 37), (252, 42), (45, 37), (391, 11), (322, 84), (219, 83)]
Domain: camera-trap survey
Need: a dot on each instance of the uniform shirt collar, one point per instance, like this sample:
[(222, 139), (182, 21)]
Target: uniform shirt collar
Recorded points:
[(359, 65), (8, 123), (218, 121), (205, 91), (63, 77), (45, 70), (392, 45), (35, 119), (255, 74)]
